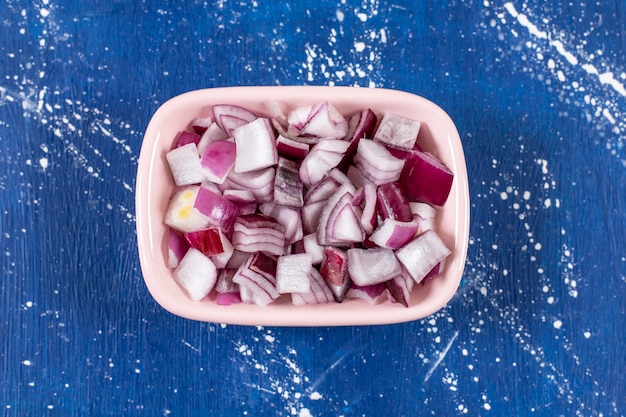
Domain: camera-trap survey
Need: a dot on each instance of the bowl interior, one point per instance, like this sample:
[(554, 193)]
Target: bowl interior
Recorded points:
[(154, 186)]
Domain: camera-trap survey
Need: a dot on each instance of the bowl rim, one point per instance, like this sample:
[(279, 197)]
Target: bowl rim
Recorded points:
[(159, 137)]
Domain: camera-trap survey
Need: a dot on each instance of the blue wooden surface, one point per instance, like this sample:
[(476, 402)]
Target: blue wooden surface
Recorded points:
[(538, 95)]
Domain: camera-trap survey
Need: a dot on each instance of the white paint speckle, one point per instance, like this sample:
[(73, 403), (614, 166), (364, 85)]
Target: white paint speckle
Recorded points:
[(557, 324), (315, 396), (26, 362)]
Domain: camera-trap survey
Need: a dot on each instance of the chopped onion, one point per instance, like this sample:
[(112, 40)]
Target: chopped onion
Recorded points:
[(292, 273), (394, 234), (291, 149), (397, 131), (262, 286), (373, 294), (259, 201), (229, 117), (376, 163), (361, 125), (211, 134), (196, 274), (181, 214), (184, 163), (334, 267), (185, 137), (259, 233), (400, 288), (392, 203), (320, 120), (372, 266), (218, 210), (420, 255), (320, 160), (200, 124), (288, 187), (256, 146), (177, 247), (217, 160), (426, 179), (319, 292)]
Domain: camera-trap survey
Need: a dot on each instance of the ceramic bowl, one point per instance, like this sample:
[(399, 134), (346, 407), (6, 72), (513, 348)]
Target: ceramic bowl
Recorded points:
[(154, 186)]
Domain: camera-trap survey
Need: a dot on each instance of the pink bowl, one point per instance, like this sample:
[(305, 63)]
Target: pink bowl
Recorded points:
[(155, 185)]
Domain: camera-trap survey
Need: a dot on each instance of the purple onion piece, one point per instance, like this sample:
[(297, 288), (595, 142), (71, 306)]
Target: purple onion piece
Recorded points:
[(177, 247), (219, 211), (426, 179), (392, 203), (185, 137)]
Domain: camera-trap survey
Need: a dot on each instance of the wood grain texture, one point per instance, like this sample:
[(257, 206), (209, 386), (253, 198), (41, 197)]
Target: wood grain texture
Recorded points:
[(537, 92)]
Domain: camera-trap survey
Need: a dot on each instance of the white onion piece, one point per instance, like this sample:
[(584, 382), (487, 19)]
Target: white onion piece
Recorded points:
[(367, 201), (317, 165), (225, 282), (288, 217), (344, 224), (377, 163), (311, 213), (397, 131), (420, 255), (356, 176), (256, 146), (321, 120), (329, 206), (259, 233), (322, 190), (292, 273), (184, 163), (424, 210), (339, 176), (360, 125), (196, 274), (372, 266), (313, 248), (181, 214)]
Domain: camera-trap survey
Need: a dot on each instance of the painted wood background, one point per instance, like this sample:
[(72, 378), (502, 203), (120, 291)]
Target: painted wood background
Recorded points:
[(538, 93)]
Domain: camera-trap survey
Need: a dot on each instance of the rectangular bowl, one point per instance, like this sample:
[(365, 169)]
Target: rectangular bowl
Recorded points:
[(154, 186)]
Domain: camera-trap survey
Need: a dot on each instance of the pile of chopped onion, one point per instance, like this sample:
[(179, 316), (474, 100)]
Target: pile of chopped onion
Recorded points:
[(313, 205)]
